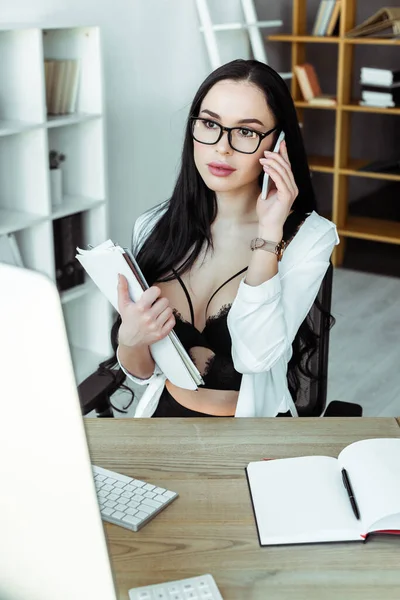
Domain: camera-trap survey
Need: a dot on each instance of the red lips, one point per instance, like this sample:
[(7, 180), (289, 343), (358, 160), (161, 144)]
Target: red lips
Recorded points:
[(220, 169)]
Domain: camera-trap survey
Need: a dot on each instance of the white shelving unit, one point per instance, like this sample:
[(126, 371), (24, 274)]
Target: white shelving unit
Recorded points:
[(27, 135)]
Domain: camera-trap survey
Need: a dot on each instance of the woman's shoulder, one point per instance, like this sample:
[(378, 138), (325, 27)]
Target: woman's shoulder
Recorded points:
[(321, 229), (315, 234), (145, 223)]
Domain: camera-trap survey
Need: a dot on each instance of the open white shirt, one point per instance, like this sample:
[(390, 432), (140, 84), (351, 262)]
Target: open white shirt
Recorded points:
[(263, 320)]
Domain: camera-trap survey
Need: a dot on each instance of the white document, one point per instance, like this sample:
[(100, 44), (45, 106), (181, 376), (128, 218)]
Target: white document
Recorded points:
[(103, 263)]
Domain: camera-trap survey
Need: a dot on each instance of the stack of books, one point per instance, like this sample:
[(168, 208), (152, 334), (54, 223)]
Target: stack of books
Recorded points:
[(327, 19), (62, 79), (310, 87), (380, 87)]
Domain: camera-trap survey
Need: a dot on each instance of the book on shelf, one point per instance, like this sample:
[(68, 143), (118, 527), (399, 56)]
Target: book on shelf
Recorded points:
[(386, 19), (322, 19), (68, 234), (103, 263), (378, 104), (310, 87), (314, 499), (323, 100), (62, 82), (382, 77), (9, 250), (373, 96), (333, 24)]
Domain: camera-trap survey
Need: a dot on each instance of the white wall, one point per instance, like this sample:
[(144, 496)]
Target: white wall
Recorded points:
[(154, 60)]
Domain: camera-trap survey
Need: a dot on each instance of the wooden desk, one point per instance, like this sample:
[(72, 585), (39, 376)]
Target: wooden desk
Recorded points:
[(210, 528)]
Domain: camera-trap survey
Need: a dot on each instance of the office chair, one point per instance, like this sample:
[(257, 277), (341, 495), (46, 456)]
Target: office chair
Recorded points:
[(312, 395), (96, 390)]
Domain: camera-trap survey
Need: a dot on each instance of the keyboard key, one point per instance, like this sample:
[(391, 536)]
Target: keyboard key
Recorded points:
[(146, 509), (160, 498), (137, 498), (141, 515), (152, 503), (149, 495), (118, 515), (169, 494), (131, 520), (110, 480), (107, 511), (149, 487), (112, 497), (110, 504), (120, 507), (127, 495), (138, 483), (159, 490)]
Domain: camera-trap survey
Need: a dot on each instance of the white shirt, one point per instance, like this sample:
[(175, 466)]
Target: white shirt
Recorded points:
[(263, 321)]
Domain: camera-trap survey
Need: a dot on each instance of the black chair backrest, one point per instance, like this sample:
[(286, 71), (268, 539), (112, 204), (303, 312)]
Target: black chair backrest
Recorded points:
[(312, 394)]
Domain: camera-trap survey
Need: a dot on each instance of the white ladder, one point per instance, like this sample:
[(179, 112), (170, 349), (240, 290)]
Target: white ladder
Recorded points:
[(251, 24)]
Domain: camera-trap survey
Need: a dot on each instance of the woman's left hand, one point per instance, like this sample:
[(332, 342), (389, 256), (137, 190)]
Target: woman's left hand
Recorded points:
[(273, 212)]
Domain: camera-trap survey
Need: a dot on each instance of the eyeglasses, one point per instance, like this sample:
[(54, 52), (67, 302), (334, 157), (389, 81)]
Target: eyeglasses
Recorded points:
[(242, 139)]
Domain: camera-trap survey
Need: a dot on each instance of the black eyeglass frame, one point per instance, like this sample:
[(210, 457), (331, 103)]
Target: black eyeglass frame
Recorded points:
[(229, 130)]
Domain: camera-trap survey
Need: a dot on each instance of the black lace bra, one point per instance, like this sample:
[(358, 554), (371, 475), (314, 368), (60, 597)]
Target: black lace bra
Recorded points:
[(210, 349)]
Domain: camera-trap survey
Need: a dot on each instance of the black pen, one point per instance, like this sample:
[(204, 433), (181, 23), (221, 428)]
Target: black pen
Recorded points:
[(347, 485)]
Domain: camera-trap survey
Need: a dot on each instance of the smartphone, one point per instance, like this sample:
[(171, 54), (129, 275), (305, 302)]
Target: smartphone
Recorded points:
[(264, 191)]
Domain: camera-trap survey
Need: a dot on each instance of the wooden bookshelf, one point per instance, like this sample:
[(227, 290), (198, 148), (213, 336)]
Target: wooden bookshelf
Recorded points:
[(341, 165)]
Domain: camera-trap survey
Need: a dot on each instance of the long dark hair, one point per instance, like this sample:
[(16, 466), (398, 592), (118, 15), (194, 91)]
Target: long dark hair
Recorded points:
[(184, 224)]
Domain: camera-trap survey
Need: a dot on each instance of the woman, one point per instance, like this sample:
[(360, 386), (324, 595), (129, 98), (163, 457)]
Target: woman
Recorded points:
[(213, 258)]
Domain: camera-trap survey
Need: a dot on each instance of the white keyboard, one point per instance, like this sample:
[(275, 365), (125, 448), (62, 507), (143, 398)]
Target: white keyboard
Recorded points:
[(194, 588), (129, 502)]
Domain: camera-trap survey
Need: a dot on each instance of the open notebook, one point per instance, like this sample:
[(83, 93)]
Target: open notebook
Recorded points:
[(103, 263), (303, 500)]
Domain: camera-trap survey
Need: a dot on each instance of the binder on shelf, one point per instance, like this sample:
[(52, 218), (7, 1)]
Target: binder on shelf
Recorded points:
[(68, 234), (315, 499), (103, 263), (387, 18)]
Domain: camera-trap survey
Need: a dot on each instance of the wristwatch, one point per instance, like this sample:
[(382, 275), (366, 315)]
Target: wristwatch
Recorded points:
[(274, 247)]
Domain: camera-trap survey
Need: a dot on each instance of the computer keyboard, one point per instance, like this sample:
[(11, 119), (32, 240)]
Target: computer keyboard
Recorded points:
[(129, 502), (194, 588)]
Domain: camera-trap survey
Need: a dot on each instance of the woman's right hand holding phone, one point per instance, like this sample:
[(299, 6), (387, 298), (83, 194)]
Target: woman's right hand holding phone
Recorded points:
[(144, 322)]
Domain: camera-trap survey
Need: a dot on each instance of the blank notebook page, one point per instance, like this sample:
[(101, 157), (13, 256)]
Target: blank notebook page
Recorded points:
[(300, 500), (374, 469)]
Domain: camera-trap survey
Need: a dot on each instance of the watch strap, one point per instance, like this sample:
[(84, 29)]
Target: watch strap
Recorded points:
[(276, 248)]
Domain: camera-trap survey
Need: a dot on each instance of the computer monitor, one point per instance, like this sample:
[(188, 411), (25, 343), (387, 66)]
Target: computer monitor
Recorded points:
[(52, 542)]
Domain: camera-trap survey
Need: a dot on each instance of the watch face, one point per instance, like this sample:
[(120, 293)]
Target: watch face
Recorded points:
[(259, 243)]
